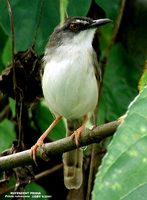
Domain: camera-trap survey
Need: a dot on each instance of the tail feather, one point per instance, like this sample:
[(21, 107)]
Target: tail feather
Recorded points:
[(73, 175), (73, 160)]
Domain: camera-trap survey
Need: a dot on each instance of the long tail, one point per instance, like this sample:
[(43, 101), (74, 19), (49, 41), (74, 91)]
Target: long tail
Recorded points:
[(73, 162), (73, 175)]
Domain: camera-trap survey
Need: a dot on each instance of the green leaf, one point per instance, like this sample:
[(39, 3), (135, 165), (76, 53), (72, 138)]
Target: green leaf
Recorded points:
[(143, 79), (35, 191), (7, 53), (12, 105), (44, 118), (106, 36), (119, 83), (78, 7), (26, 16), (3, 39), (122, 174), (7, 134), (28, 13), (111, 8)]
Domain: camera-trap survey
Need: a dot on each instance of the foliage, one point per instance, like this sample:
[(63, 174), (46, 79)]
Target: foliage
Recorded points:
[(7, 134), (123, 171), (123, 167)]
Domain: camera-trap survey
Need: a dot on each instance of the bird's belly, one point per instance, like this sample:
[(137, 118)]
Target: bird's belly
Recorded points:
[(70, 90)]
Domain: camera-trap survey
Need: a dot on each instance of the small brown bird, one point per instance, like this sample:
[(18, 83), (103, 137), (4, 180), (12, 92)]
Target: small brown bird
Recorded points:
[(70, 87)]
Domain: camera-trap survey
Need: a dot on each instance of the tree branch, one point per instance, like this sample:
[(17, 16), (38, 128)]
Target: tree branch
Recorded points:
[(58, 147)]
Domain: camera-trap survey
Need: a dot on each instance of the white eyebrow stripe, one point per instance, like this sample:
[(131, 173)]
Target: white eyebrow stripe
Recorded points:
[(81, 21)]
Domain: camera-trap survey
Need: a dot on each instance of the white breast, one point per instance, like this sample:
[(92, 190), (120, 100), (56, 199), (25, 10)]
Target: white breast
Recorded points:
[(69, 83)]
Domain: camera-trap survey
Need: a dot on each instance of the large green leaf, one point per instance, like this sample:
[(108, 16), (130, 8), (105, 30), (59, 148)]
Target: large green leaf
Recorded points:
[(119, 83), (78, 7), (7, 134), (111, 8), (35, 191), (122, 174), (7, 53), (26, 15), (3, 39)]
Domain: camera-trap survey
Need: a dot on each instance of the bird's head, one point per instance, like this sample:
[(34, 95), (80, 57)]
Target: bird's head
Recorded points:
[(76, 30)]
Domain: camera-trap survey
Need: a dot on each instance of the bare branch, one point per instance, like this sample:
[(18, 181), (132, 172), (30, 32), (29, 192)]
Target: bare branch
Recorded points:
[(58, 147)]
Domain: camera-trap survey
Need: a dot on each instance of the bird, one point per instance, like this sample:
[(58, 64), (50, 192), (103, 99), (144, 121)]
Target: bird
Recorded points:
[(70, 86)]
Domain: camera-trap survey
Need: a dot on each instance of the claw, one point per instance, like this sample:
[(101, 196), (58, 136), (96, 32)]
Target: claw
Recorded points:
[(42, 137), (34, 150), (76, 134)]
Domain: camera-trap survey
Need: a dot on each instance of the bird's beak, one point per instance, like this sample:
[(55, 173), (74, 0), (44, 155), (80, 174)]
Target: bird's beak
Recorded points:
[(99, 22)]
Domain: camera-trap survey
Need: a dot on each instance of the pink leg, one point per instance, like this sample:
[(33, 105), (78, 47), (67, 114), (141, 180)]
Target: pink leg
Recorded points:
[(76, 134), (42, 137)]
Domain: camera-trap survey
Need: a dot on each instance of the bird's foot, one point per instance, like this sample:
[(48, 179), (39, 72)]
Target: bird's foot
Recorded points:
[(34, 148), (76, 135), (40, 141)]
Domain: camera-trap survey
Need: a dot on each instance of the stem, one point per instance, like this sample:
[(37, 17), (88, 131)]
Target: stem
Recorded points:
[(58, 147)]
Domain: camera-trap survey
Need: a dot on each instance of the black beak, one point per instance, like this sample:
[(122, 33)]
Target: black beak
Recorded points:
[(99, 22)]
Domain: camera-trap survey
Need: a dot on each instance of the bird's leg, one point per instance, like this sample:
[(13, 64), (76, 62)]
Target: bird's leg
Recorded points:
[(76, 134), (42, 137)]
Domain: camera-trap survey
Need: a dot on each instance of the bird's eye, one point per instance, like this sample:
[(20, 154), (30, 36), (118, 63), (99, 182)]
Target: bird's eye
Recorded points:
[(74, 27)]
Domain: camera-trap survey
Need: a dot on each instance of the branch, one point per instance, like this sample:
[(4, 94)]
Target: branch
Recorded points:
[(60, 146)]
